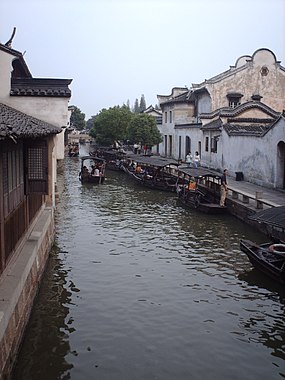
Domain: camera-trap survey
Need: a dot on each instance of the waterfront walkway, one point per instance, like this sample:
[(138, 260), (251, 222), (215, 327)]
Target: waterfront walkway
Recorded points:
[(276, 197)]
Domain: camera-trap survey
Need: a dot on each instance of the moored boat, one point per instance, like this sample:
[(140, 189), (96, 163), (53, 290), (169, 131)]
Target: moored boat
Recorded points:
[(73, 149), (154, 172), (92, 170), (199, 188), (269, 258)]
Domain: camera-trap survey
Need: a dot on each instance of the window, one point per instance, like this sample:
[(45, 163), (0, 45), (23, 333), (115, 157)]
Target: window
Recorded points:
[(165, 117), (37, 167), (207, 144), (234, 99), (170, 116), (12, 176), (214, 144)]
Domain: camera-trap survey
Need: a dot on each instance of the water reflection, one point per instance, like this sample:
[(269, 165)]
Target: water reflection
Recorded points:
[(152, 291), (48, 331)]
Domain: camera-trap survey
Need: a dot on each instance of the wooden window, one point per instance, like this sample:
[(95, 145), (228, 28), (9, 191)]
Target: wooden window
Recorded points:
[(13, 176), (37, 167)]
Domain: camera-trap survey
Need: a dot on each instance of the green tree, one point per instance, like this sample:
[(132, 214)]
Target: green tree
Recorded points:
[(90, 123), (77, 118), (143, 129), (111, 125), (136, 106), (142, 103)]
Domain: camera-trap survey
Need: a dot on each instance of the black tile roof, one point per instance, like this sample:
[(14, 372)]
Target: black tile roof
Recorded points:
[(181, 98), (233, 112), (242, 129), (16, 124), (213, 125), (40, 87)]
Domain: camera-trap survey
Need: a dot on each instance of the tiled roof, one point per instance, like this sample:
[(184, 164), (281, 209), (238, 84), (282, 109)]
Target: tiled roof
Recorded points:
[(257, 128), (213, 125), (20, 57), (177, 99), (233, 112), (16, 124), (40, 87)]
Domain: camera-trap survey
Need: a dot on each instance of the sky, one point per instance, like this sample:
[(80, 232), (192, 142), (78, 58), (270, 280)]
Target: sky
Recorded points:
[(115, 51)]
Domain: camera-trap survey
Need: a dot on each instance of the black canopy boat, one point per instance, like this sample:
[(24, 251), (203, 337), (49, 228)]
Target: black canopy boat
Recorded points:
[(92, 170), (199, 188), (113, 157), (154, 172), (269, 258)]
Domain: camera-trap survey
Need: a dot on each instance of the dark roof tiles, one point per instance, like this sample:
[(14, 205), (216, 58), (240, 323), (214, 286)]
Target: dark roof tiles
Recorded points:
[(40, 87), (16, 124)]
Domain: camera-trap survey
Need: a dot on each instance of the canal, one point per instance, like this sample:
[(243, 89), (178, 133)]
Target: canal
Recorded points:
[(139, 288)]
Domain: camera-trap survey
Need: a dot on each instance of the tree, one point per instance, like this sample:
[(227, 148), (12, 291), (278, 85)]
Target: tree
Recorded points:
[(142, 103), (143, 129), (136, 107), (111, 125), (90, 122), (77, 118)]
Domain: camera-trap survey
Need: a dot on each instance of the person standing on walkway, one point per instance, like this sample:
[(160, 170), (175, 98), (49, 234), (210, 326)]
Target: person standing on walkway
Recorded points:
[(189, 159), (224, 188), (197, 159)]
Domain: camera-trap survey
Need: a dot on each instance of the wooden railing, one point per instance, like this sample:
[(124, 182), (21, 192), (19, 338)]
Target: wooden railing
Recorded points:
[(253, 199)]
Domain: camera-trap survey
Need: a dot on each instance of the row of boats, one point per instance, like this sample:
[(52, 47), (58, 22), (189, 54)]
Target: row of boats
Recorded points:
[(196, 187)]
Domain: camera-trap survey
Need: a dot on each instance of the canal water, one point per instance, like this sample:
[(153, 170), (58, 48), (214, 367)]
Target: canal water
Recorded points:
[(139, 288)]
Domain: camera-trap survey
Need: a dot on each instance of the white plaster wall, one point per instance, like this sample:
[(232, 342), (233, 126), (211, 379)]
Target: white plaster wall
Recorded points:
[(248, 81), (256, 157), (5, 75), (53, 110)]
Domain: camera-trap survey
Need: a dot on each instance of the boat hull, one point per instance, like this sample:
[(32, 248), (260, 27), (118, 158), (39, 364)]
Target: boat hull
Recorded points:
[(266, 261)]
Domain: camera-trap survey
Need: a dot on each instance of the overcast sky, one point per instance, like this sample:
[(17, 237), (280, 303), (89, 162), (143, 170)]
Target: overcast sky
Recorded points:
[(117, 50)]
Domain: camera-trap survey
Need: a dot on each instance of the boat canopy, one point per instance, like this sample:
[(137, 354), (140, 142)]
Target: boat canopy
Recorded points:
[(155, 161), (199, 172), (274, 216), (94, 158)]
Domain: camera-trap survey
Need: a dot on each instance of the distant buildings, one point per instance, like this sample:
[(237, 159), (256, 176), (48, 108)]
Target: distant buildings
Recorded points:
[(234, 120)]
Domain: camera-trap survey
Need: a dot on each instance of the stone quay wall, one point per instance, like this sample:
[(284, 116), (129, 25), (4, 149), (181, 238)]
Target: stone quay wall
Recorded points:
[(19, 286)]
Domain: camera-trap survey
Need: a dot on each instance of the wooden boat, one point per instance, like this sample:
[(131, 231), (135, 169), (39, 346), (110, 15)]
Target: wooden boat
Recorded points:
[(154, 172), (92, 170), (268, 258), (114, 157), (73, 149), (199, 188)]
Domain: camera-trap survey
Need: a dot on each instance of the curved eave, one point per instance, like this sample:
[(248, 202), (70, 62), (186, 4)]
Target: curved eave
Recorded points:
[(232, 112), (16, 124)]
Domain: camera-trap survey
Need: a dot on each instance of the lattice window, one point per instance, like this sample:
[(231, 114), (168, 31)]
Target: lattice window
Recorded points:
[(36, 165)]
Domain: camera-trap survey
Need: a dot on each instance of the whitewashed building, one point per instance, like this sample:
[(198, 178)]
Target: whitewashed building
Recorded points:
[(233, 120), (33, 114)]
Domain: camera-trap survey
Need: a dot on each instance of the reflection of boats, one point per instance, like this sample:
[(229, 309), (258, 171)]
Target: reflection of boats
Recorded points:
[(154, 172), (73, 149), (94, 172), (266, 258), (200, 188)]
